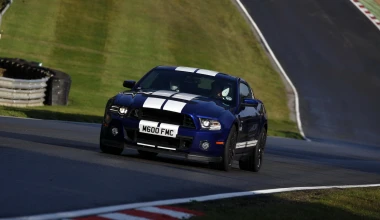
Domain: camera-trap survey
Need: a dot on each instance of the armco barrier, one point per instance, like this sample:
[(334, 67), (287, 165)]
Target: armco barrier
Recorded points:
[(25, 83)]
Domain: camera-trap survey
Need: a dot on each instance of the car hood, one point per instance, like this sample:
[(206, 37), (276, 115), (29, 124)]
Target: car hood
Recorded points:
[(177, 102)]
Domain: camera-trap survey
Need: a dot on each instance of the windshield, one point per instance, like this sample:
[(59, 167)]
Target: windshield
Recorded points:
[(216, 88)]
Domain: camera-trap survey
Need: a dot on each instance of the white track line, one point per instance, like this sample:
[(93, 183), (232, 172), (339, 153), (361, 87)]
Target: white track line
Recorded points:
[(279, 66), (171, 213), (121, 216), (367, 13), (108, 209)]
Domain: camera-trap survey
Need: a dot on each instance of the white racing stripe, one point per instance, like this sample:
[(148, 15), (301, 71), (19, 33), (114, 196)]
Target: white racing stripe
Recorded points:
[(151, 102), (174, 106), (121, 216), (174, 214), (148, 145), (186, 69), (164, 93), (207, 72), (240, 145), (251, 143), (185, 96), (246, 144)]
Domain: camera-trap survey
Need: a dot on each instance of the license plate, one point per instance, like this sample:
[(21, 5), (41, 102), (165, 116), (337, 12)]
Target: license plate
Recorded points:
[(151, 127)]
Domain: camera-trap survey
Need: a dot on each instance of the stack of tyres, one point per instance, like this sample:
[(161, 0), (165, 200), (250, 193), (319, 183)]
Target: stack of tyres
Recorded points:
[(58, 89), (24, 84)]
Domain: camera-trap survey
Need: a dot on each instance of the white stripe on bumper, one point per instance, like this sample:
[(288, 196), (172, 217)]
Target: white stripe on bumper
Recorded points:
[(148, 145), (167, 148)]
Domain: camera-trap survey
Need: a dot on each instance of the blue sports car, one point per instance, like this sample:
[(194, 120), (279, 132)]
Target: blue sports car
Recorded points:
[(200, 114)]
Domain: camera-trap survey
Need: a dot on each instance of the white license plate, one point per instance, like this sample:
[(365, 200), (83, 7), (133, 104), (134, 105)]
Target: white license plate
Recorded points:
[(151, 127)]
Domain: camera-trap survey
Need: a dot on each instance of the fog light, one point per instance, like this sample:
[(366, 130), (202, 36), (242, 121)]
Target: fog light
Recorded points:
[(205, 145), (115, 131)]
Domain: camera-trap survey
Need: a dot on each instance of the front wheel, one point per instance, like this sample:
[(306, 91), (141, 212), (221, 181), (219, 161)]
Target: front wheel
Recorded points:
[(254, 160), (229, 151)]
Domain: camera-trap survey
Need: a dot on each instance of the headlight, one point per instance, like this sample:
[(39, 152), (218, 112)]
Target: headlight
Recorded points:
[(119, 109), (210, 124)]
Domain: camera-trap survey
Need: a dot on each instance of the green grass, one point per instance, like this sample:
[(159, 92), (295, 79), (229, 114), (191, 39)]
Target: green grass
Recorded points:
[(373, 6), (100, 43), (359, 203)]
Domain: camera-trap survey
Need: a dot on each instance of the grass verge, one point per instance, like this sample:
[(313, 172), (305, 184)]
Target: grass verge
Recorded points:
[(100, 43), (373, 6), (358, 203)]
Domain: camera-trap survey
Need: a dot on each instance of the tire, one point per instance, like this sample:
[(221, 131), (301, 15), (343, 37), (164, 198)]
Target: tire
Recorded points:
[(147, 154), (229, 151), (254, 160), (111, 150)]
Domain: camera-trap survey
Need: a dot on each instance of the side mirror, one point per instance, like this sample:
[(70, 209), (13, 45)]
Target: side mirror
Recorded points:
[(250, 102), (129, 83)]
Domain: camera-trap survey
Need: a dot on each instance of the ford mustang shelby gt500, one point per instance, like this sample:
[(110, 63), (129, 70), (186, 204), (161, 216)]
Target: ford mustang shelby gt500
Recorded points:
[(200, 114)]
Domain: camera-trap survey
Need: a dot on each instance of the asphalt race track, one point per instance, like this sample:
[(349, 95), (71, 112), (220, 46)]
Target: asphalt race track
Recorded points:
[(330, 51), (51, 166)]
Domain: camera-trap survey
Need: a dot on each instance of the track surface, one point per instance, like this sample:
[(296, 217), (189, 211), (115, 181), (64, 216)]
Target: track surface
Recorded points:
[(49, 166), (330, 51)]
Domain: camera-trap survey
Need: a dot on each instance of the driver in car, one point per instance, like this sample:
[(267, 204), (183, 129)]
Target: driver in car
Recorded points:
[(218, 90)]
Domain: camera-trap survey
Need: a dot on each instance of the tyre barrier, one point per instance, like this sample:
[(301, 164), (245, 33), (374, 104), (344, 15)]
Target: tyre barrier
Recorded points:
[(24, 83), (22, 94)]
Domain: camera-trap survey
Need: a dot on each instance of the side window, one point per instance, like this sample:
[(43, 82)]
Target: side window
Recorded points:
[(245, 91)]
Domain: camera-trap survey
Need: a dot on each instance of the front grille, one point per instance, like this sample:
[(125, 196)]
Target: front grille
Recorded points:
[(163, 117)]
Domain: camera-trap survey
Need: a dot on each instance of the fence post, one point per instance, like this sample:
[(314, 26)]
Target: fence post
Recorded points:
[(3, 10)]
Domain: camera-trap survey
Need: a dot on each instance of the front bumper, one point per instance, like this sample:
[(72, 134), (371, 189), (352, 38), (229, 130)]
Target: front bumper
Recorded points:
[(124, 132), (182, 155)]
